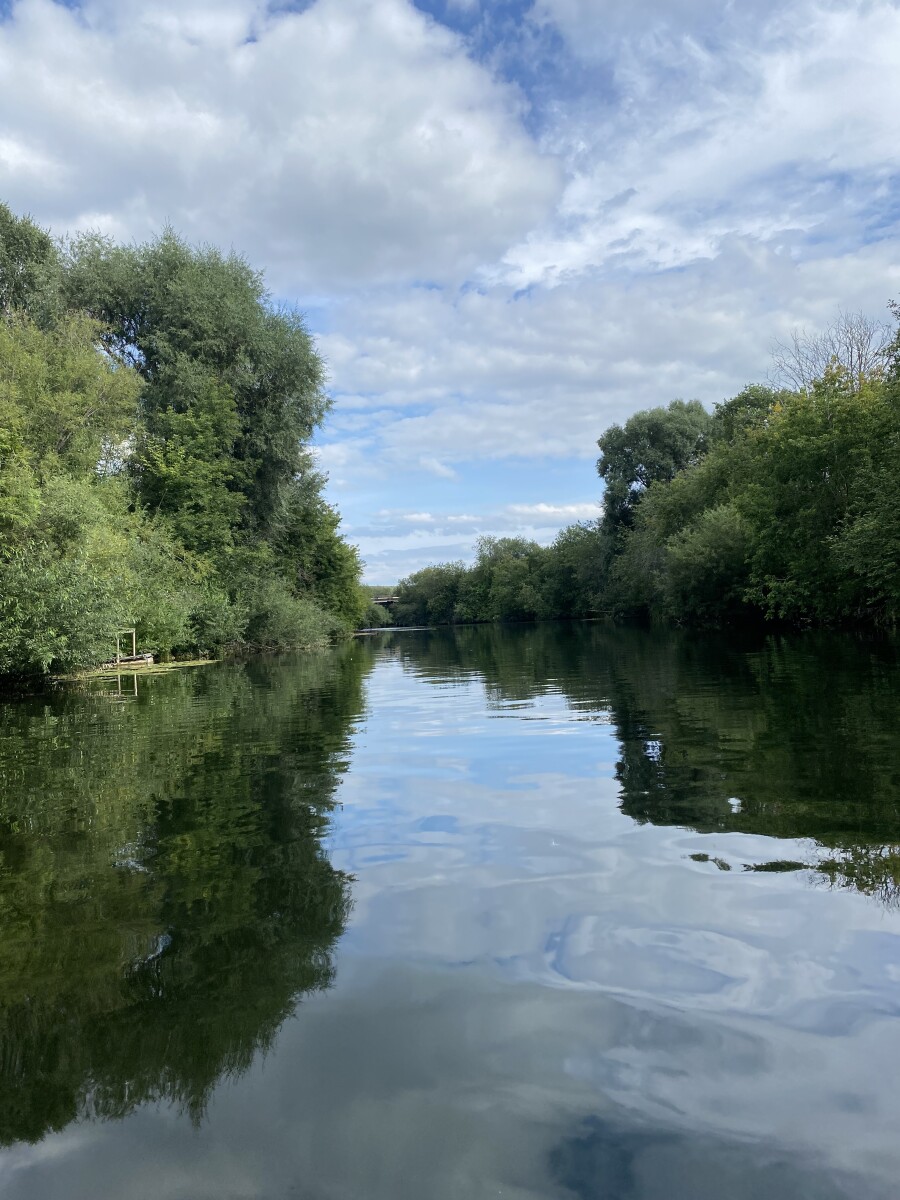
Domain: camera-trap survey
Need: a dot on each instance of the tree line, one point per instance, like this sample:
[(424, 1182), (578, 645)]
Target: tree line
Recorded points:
[(782, 504), (156, 410)]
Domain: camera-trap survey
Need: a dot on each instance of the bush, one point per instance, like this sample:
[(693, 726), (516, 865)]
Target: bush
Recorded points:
[(707, 565), (279, 620), (55, 612), (376, 616), (216, 620)]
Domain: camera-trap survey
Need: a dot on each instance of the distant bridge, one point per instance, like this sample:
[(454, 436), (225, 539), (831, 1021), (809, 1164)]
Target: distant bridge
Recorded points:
[(384, 601)]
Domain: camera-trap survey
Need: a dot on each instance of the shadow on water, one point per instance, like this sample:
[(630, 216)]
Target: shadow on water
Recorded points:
[(165, 899), (789, 737)]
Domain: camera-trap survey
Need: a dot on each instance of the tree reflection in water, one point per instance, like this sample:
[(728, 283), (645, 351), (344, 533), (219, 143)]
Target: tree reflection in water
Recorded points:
[(165, 899), (790, 737)]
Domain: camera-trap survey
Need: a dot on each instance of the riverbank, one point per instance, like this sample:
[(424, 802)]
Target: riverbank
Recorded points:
[(108, 671)]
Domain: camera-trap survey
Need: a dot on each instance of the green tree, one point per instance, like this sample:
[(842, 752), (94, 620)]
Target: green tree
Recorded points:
[(707, 566), (64, 406), (575, 571), (749, 409), (181, 315), (233, 390), (317, 559), (804, 470), (517, 579), (430, 596), (651, 447), (155, 410), (66, 583), (29, 266)]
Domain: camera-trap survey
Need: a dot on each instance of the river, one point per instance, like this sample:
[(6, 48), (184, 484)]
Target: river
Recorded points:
[(537, 912)]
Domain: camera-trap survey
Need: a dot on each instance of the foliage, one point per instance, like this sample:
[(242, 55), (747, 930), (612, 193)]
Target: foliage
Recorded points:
[(155, 410), (429, 596), (64, 408), (29, 266), (376, 616), (512, 579), (651, 447), (193, 319), (575, 570), (281, 619), (781, 505), (316, 558)]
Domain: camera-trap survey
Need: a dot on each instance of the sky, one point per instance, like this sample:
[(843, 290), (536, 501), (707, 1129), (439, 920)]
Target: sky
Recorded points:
[(508, 224)]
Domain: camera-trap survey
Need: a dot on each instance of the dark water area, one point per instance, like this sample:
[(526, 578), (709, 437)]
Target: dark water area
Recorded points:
[(551, 912)]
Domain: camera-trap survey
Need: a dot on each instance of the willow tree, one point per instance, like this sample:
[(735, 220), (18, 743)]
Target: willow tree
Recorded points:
[(233, 391)]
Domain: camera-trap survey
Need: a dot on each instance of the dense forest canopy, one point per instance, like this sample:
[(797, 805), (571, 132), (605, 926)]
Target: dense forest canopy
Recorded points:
[(155, 416), (782, 504)]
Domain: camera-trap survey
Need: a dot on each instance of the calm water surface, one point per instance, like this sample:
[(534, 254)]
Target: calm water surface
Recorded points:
[(533, 913)]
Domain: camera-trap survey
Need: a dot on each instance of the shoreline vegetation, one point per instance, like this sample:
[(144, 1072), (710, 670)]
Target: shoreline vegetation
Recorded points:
[(781, 507), (156, 412), (147, 668)]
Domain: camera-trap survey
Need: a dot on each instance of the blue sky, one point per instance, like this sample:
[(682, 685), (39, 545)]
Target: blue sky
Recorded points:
[(509, 224)]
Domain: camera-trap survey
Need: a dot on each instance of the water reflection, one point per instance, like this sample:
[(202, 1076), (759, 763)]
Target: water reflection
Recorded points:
[(580, 963), (603, 1158), (783, 736), (165, 899)]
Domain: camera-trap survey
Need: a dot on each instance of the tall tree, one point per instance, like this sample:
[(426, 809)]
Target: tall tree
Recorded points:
[(854, 342), (155, 414), (202, 331), (651, 447), (233, 390)]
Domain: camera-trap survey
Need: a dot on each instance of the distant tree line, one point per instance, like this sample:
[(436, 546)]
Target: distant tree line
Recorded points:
[(155, 416), (782, 504)]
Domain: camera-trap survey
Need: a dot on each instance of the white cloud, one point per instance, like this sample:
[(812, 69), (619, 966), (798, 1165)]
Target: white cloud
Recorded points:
[(786, 130), (354, 140), (396, 542), (436, 467), (569, 512), (542, 375)]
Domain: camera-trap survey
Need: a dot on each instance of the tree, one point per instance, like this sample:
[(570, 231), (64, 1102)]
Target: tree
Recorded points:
[(233, 390), (430, 596), (707, 565), (853, 341), (575, 572), (651, 447), (29, 265), (199, 324), (317, 559), (749, 409), (64, 406), (155, 410)]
